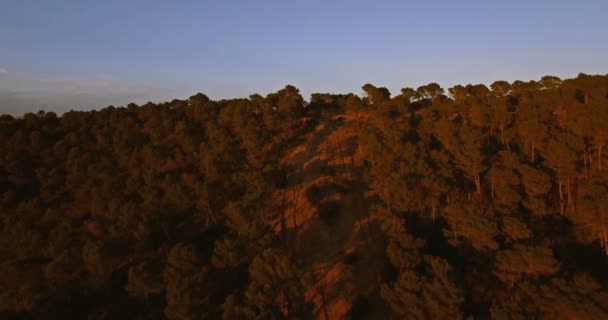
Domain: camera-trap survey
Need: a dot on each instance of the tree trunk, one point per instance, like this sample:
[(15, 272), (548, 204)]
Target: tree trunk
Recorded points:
[(586, 167), (561, 197), (211, 212), (388, 199), (532, 149), (599, 157), (324, 303), (283, 218), (605, 243), (569, 193), (295, 220), (294, 207)]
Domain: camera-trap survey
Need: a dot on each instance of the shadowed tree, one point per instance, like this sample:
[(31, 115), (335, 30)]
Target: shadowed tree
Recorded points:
[(592, 212), (430, 91), (536, 185), (376, 95), (561, 155), (186, 284), (277, 287), (524, 262), (468, 225), (143, 279), (432, 296)]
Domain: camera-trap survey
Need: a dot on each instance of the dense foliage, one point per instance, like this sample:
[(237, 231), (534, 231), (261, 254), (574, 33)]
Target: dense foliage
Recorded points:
[(477, 202)]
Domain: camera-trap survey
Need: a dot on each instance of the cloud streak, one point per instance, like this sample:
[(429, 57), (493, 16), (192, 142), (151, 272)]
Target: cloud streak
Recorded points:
[(20, 94)]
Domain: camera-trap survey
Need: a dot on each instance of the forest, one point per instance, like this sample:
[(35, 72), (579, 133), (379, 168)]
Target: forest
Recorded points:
[(472, 202)]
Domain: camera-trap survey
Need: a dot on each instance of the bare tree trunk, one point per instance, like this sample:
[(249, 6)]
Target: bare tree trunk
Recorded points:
[(561, 199), (283, 218), (586, 167), (324, 303), (211, 212), (295, 220), (294, 207), (532, 148), (605, 243), (388, 198), (569, 193), (599, 157)]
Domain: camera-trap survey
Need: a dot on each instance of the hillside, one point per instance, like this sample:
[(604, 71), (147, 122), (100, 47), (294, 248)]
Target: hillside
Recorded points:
[(484, 203)]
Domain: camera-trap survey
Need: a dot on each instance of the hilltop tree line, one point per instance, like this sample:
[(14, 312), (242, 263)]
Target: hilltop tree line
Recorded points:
[(489, 202)]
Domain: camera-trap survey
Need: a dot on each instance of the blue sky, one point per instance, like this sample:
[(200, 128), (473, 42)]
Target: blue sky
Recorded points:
[(60, 55)]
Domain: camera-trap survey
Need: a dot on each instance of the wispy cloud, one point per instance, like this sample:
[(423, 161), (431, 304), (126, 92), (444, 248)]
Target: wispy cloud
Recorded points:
[(97, 85), (3, 70), (20, 93)]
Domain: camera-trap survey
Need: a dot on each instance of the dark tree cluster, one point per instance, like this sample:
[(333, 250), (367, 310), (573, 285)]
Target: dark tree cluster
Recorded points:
[(489, 203)]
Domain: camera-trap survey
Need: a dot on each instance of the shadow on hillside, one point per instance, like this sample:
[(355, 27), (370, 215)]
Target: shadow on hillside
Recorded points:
[(312, 145), (342, 244), (331, 231), (316, 169), (337, 238)]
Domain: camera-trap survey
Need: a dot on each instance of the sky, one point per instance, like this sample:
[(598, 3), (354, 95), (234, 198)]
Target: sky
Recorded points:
[(60, 55)]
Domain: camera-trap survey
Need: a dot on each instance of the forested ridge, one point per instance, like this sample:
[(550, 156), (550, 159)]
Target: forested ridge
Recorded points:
[(473, 202)]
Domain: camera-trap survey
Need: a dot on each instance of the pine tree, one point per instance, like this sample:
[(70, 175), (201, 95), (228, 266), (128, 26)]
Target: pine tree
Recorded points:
[(433, 296)]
